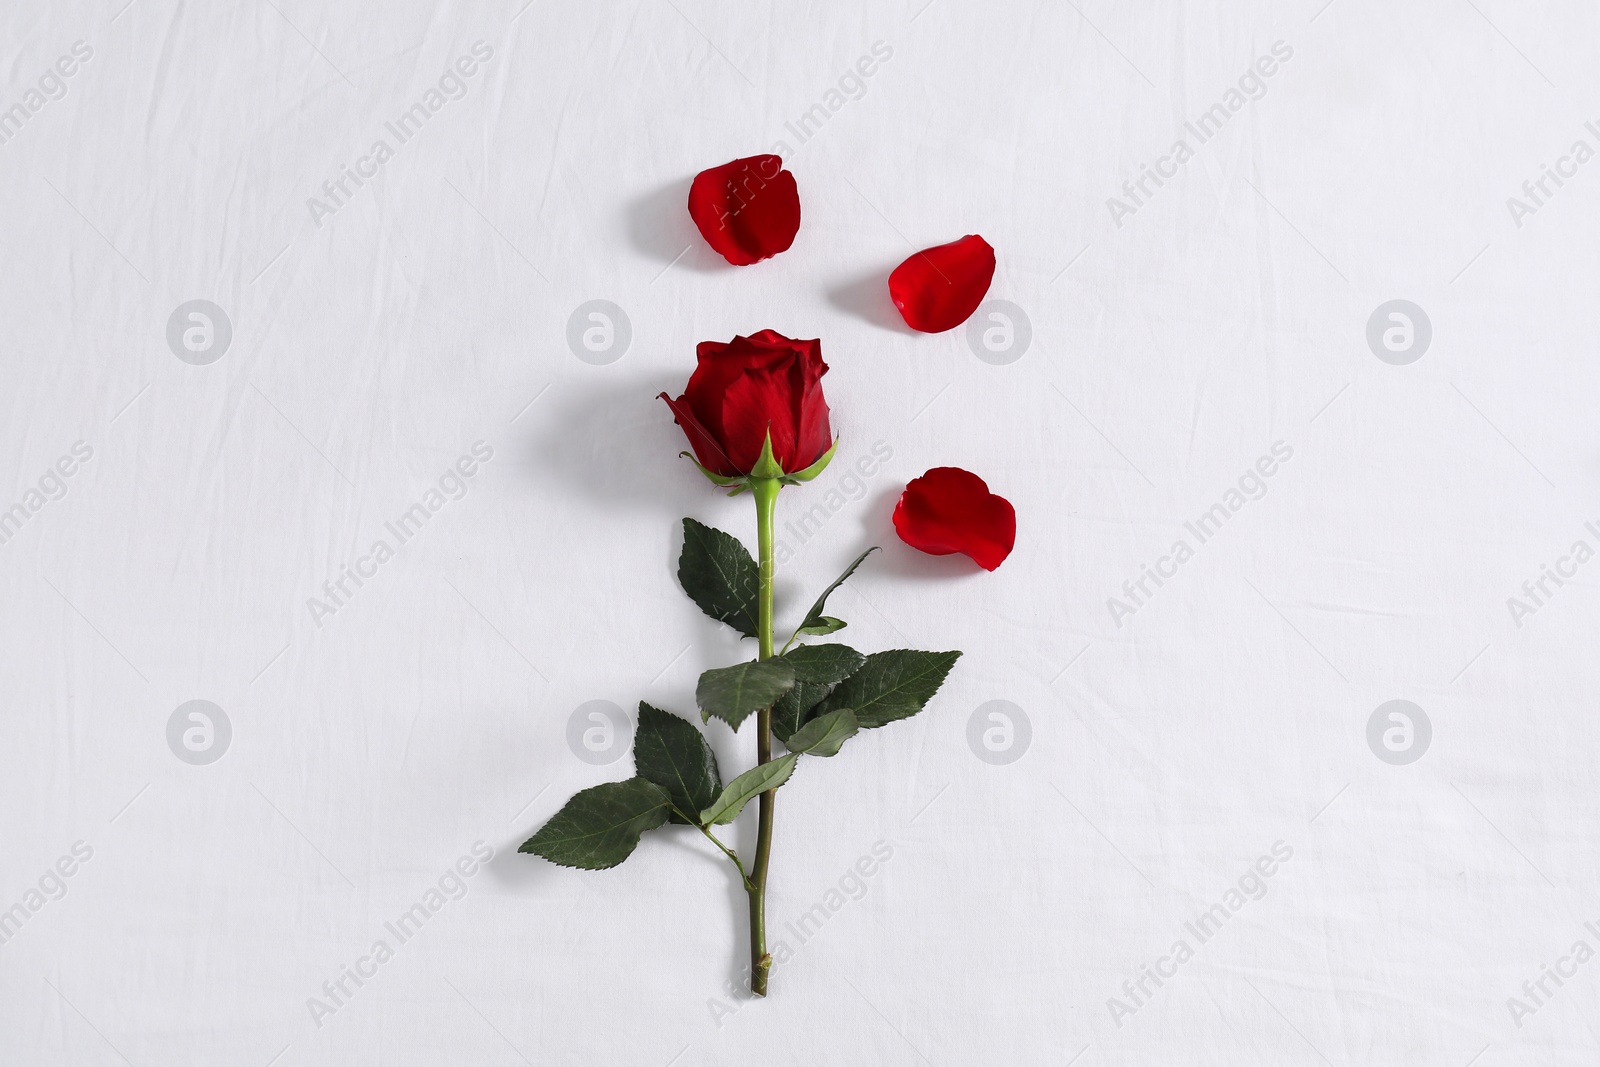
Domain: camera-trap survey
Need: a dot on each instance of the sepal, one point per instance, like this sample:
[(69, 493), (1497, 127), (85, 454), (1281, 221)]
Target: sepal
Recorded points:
[(815, 469), (725, 481), (767, 465)]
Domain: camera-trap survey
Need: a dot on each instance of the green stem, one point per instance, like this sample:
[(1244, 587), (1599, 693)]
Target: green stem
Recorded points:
[(726, 851), (765, 491)]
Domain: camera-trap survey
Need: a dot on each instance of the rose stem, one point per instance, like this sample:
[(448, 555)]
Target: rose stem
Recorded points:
[(765, 491)]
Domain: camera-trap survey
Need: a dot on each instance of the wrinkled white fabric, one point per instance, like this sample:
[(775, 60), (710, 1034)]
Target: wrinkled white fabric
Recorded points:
[(397, 502)]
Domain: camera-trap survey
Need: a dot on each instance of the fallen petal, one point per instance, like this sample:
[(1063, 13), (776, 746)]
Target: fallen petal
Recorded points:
[(748, 209), (939, 288), (950, 510)]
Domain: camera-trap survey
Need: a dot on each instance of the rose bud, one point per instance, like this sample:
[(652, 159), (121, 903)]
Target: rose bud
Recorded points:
[(937, 289), (754, 408), (950, 510), (747, 210)]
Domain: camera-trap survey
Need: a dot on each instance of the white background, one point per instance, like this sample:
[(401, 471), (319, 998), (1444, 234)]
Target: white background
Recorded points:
[(1168, 353)]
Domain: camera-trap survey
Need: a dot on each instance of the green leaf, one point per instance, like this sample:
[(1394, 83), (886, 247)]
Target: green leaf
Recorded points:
[(732, 693), (891, 685), (757, 779), (719, 575), (789, 713), (672, 753), (825, 664), (823, 735), (818, 623), (600, 827)]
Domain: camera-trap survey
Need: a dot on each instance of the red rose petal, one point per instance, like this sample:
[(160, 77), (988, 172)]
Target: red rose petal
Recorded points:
[(939, 288), (747, 210), (707, 451), (754, 407), (950, 510)]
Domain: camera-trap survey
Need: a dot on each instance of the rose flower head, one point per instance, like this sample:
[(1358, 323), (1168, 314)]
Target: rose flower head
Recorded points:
[(754, 408)]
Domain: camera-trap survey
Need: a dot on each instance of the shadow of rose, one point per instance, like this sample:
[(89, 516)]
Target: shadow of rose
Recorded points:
[(616, 445)]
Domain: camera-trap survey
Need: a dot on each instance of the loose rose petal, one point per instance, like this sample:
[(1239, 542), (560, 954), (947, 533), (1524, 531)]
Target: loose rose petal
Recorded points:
[(951, 510), (747, 210), (939, 288)]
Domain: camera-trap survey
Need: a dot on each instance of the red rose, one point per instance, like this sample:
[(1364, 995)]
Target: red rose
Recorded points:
[(747, 210), (750, 387)]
